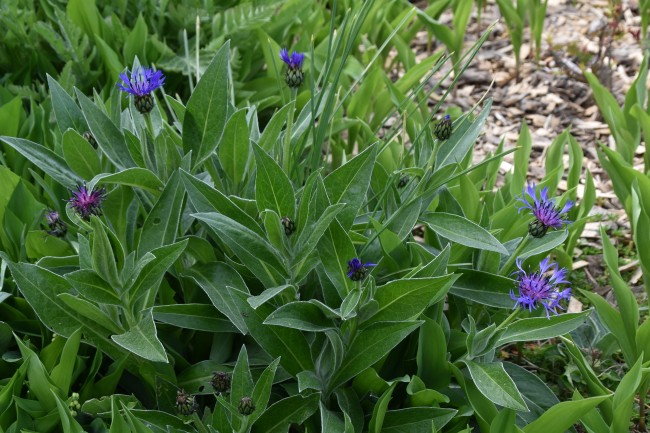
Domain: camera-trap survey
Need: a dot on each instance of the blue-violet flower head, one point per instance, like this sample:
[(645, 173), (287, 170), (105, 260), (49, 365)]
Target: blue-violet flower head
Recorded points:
[(547, 214), (87, 203), (541, 287), (141, 84), (357, 269), (142, 81), (293, 60)]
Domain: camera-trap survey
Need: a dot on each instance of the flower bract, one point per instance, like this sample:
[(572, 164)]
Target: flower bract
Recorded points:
[(541, 288)]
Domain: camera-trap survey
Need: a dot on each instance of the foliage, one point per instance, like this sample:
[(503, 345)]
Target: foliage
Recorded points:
[(241, 255)]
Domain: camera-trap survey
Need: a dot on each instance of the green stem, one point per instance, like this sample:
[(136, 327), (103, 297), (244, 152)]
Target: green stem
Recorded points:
[(199, 424), (508, 320), (506, 267), (144, 140), (286, 149)]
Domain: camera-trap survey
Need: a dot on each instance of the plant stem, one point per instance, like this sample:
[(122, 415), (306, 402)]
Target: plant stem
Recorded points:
[(199, 424), (286, 149), (509, 319), (506, 267)]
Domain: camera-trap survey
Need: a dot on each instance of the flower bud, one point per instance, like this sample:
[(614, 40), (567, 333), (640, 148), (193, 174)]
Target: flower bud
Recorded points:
[(246, 406), (220, 381), (443, 128), (289, 226)]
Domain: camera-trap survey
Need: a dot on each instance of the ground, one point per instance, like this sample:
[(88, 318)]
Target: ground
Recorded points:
[(552, 95)]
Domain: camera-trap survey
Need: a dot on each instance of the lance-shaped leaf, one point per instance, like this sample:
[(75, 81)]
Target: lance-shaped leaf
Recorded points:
[(109, 138), (369, 346), (273, 189), (207, 108), (462, 231), (495, 384), (349, 184), (142, 340), (46, 160), (254, 251), (161, 224)]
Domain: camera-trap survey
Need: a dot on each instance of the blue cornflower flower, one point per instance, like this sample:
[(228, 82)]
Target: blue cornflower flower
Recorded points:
[(87, 203), (357, 270), (541, 288), (547, 215), (294, 75), (141, 84)]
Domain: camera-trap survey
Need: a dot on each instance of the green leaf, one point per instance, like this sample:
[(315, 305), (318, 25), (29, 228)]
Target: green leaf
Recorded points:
[(235, 147), (623, 400), (273, 189), (406, 299), (417, 419), (109, 138), (207, 108), (291, 410), (89, 312), (204, 198), (62, 373), (91, 286), (495, 384), (200, 317), (549, 241), (103, 259), (379, 411), (46, 160), (262, 390), (541, 328), (266, 295), (242, 381), (67, 112), (369, 346), (221, 283), (335, 248), (562, 416), (485, 288), (162, 223), (301, 315), (144, 289), (462, 231), (136, 177), (259, 256), (142, 340), (349, 184), (80, 155)]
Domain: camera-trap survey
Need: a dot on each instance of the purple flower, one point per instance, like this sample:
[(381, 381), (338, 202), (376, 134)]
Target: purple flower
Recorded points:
[(142, 82), (87, 203), (541, 288), (547, 215), (357, 270), (57, 227), (293, 61)]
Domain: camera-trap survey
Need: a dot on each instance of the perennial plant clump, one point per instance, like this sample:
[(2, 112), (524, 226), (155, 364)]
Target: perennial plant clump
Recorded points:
[(215, 282)]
